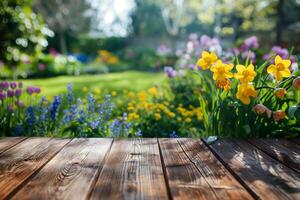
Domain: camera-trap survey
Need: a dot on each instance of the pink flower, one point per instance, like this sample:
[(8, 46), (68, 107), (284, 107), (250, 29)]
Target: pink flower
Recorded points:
[(261, 109)]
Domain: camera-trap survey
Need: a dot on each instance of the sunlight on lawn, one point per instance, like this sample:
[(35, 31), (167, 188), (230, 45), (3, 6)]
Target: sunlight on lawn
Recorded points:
[(131, 80)]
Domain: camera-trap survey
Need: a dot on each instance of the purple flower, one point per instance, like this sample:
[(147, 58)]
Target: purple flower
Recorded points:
[(193, 36), (251, 42), (20, 103), (41, 66), (10, 108), (4, 85), (284, 53), (18, 92), (251, 55), (2, 95), (13, 85), (30, 90), (170, 72), (10, 93), (20, 85), (192, 66), (36, 90)]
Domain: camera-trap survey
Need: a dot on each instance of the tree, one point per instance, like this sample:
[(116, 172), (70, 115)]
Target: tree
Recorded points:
[(22, 31), (65, 18)]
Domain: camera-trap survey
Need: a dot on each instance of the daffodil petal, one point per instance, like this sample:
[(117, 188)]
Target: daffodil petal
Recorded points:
[(278, 59)]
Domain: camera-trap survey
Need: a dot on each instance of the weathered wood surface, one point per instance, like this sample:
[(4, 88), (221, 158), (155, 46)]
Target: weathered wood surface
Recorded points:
[(96, 168), (132, 170)]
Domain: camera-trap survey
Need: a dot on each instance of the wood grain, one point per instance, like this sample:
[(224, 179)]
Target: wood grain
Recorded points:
[(70, 174), (184, 178), (8, 142), (20, 162), (268, 178), (287, 152), (132, 170), (225, 186)]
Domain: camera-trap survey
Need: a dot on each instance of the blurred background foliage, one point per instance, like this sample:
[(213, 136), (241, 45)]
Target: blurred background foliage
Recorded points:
[(142, 34)]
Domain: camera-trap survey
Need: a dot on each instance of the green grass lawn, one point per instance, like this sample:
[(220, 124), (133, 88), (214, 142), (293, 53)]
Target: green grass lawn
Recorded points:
[(130, 80)]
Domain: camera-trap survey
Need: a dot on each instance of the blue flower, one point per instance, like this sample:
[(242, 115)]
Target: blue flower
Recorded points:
[(30, 116), (54, 107), (138, 133), (70, 93), (91, 103), (173, 135)]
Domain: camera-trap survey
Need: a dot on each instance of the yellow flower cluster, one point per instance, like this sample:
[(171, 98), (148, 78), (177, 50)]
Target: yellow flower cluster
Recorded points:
[(244, 74), (143, 105), (107, 57)]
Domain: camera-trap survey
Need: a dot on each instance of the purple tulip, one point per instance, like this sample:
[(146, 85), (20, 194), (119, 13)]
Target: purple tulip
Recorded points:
[(20, 103), (18, 92), (10, 93), (10, 108), (30, 90), (37, 90), (20, 85), (13, 85), (4, 85), (2, 95)]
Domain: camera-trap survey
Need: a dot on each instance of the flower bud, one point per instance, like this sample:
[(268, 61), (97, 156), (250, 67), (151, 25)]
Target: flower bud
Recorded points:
[(20, 85), (10, 93), (2, 95), (261, 109), (13, 85), (280, 93), (4, 85), (18, 92), (10, 108), (296, 83), (279, 115)]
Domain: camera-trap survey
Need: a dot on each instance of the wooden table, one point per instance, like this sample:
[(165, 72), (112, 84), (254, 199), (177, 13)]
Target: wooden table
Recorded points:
[(45, 168)]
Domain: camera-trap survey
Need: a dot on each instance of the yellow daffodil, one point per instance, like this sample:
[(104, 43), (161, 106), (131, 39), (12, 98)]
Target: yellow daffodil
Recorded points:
[(207, 60), (280, 93), (245, 91), (222, 74), (280, 69), (245, 74)]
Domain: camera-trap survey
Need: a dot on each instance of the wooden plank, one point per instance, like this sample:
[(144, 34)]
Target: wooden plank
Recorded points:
[(132, 170), (184, 178), (268, 178), (216, 175), (8, 142), (296, 140), (287, 152), (70, 174), (22, 161)]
